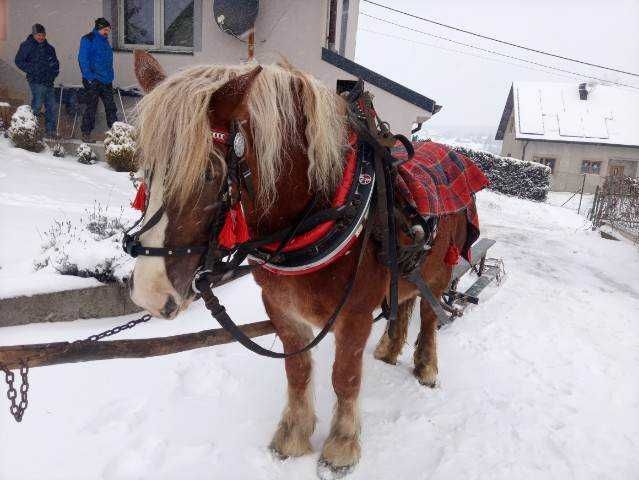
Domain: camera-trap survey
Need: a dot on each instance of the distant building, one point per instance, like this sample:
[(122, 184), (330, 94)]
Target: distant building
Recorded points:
[(575, 129), (317, 36)]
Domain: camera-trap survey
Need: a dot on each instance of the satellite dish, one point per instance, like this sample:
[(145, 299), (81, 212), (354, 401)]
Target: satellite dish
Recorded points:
[(236, 17)]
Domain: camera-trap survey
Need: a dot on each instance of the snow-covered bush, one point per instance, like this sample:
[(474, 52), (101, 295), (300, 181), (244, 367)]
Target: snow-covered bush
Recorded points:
[(90, 249), (511, 176), (58, 150), (23, 130), (119, 147), (85, 154)]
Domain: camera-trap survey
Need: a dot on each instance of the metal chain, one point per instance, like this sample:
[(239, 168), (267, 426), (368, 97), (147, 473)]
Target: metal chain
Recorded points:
[(115, 330), (17, 409)]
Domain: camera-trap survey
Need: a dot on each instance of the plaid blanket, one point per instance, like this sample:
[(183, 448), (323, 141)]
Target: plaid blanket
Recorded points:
[(438, 181)]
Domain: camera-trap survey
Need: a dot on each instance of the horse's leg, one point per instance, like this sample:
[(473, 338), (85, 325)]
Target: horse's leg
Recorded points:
[(425, 356), (292, 437), (342, 450), (388, 349)]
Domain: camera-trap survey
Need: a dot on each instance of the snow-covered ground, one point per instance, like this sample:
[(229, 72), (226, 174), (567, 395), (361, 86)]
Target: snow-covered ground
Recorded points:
[(539, 381), (34, 190)]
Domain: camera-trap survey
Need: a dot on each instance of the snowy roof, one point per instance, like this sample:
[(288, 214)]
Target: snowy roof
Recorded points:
[(556, 112)]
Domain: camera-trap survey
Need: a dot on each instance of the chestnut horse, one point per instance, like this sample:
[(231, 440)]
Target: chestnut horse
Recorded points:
[(296, 137)]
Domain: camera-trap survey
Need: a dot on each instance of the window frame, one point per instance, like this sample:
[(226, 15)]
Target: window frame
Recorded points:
[(158, 31), (544, 159), (591, 162)]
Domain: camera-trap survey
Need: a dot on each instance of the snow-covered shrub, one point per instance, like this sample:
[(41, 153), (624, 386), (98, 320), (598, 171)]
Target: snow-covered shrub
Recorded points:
[(58, 150), (119, 147), (23, 130), (89, 249), (511, 176), (85, 154)]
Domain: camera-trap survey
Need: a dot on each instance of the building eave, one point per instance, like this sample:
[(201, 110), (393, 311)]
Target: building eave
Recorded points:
[(577, 142), (386, 84)]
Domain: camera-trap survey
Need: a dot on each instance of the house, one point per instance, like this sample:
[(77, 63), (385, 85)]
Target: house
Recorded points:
[(581, 131), (317, 36)]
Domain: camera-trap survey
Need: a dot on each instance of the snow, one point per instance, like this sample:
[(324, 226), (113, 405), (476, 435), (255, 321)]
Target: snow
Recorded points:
[(23, 118), (538, 381), (35, 189), (554, 111)]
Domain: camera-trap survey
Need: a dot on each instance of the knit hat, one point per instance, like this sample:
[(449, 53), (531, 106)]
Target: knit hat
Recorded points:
[(37, 28), (101, 23)]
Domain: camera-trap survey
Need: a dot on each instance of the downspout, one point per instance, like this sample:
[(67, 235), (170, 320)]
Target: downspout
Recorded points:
[(523, 152), (332, 24), (343, 29)]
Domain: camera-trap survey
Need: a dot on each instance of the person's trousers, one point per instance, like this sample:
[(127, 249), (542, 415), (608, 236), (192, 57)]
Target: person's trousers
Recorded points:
[(93, 91), (44, 95)]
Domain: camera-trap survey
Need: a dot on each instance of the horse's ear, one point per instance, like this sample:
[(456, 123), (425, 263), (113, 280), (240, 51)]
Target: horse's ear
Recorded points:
[(229, 96), (148, 70)]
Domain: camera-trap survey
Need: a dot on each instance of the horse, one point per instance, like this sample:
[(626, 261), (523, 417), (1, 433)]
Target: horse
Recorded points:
[(296, 136)]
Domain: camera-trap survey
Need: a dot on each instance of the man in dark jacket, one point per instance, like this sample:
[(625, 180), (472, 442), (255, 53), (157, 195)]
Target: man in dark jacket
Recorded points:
[(96, 63), (37, 58)]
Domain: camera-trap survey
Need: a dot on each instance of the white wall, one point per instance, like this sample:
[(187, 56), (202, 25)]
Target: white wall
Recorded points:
[(295, 30)]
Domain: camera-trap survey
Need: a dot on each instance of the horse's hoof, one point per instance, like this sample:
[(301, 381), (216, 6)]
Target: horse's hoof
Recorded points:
[(386, 359), (277, 454), (427, 375), (384, 352), (328, 471)]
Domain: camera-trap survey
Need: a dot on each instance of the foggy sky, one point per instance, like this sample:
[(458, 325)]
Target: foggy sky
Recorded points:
[(473, 90)]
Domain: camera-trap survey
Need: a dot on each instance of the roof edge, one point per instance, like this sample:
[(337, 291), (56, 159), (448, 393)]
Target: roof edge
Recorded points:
[(597, 144), (380, 81), (508, 109)]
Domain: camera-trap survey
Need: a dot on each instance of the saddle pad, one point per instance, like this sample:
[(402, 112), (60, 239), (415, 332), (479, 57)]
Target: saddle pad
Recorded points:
[(439, 181)]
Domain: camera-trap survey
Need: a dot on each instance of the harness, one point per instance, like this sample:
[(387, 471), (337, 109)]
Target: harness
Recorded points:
[(363, 203)]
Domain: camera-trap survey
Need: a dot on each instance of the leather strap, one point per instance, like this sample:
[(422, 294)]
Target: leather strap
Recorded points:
[(220, 314)]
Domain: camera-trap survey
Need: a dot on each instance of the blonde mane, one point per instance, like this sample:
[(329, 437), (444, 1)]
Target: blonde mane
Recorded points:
[(174, 133)]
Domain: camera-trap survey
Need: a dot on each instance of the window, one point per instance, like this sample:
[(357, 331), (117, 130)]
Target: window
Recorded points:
[(548, 161), (588, 166), (156, 24)]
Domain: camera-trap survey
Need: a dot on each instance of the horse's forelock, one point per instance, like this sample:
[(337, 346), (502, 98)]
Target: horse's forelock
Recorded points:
[(174, 131)]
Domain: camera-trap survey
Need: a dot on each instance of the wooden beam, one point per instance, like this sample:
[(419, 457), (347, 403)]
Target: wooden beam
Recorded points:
[(42, 354)]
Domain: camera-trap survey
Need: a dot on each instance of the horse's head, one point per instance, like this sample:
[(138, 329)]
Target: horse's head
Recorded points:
[(276, 109)]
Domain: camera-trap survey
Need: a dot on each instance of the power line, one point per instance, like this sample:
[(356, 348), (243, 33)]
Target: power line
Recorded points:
[(498, 53), (572, 77), (486, 37)]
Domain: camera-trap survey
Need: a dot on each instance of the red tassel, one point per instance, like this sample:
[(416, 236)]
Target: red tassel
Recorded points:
[(452, 256), (139, 202), (235, 229)]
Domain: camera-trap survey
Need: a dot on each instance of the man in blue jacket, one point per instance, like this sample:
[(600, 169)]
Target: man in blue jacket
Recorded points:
[(37, 58), (96, 63)]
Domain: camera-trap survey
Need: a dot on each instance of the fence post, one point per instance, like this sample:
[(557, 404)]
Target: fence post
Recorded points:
[(581, 195), (593, 209)]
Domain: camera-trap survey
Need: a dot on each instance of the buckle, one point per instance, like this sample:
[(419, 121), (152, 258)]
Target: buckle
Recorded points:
[(129, 245), (200, 274)]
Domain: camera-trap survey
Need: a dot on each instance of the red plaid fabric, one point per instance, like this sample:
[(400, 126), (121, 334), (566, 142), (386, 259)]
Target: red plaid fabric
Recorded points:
[(439, 181)]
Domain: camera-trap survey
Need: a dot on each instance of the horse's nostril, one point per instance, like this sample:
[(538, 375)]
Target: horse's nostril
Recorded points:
[(169, 307)]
